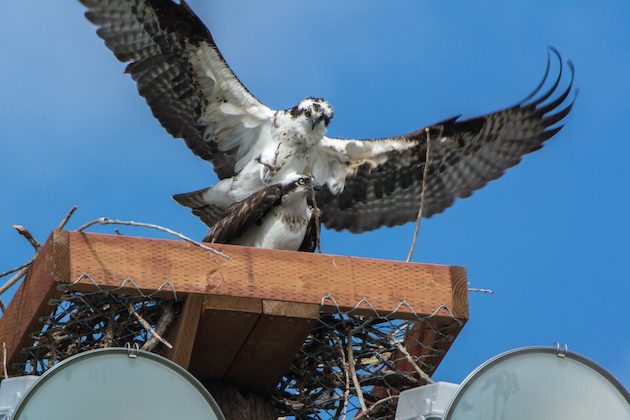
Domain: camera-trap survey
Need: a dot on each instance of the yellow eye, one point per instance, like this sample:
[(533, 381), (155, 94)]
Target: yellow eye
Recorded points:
[(302, 181)]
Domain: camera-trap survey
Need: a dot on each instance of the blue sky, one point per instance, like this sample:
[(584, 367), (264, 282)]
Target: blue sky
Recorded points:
[(551, 237)]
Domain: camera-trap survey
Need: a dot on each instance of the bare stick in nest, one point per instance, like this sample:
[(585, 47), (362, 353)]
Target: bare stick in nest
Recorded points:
[(26, 234), (346, 394), (166, 318), (353, 373), (18, 268), (425, 173), (107, 221), (413, 363), (64, 221), (148, 326), (6, 286), (373, 407)]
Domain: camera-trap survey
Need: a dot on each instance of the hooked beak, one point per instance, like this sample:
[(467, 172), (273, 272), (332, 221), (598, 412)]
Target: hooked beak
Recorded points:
[(317, 121), (316, 186)]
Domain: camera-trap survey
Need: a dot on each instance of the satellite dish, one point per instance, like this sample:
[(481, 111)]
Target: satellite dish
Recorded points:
[(117, 383), (541, 383)]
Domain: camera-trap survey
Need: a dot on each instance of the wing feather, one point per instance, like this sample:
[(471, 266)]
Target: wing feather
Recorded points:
[(381, 179), (242, 215), (183, 77)]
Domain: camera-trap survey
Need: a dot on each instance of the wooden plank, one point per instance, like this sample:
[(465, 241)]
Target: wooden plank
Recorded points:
[(271, 274), (272, 345), (184, 331), (224, 326), (32, 296)]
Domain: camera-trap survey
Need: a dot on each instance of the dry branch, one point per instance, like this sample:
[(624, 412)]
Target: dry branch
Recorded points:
[(167, 317), (65, 220), (425, 173), (107, 221), (148, 326), (27, 235)]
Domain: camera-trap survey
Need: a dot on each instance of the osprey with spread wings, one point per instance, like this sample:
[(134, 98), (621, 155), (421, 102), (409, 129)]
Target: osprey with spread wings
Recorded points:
[(366, 183)]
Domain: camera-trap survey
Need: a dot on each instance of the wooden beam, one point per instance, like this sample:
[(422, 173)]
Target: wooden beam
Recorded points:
[(32, 296), (184, 331), (223, 329), (271, 274), (264, 358)]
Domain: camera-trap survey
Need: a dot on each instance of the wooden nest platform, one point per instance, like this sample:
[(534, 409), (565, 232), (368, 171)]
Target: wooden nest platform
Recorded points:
[(319, 335)]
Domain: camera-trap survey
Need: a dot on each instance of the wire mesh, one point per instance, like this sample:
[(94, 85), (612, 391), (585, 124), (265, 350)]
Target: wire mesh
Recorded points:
[(353, 364), (99, 318)]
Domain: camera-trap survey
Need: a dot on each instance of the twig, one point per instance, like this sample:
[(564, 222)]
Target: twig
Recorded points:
[(346, 394), (4, 360), (425, 173), (166, 318), (353, 373), (107, 221), (6, 286), (147, 326), (413, 363), (2, 307), (317, 220), (29, 237), (64, 221), (376, 404), (18, 268), (483, 291)]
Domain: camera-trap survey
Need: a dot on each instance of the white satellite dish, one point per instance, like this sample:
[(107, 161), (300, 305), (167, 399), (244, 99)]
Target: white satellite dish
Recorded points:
[(540, 383), (116, 383)]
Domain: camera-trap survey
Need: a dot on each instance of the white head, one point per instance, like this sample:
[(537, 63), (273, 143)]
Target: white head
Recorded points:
[(314, 112), (297, 186)]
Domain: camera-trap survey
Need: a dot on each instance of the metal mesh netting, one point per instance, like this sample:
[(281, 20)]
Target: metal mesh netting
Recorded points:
[(353, 364), (88, 320)]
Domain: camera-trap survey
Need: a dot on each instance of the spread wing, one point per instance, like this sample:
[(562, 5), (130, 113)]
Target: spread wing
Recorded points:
[(383, 178), (184, 78), (243, 214)]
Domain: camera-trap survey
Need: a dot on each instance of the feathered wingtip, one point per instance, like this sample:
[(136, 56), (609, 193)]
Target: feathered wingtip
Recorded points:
[(542, 110)]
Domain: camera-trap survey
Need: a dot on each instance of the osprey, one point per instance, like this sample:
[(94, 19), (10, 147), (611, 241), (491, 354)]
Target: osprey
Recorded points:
[(277, 217), (366, 183)]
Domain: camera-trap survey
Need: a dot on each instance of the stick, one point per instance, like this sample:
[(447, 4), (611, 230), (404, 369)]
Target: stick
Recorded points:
[(425, 173), (353, 372), (2, 307), (346, 394), (18, 268), (420, 372), (64, 221), (148, 327), (107, 221), (6, 286), (376, 404), (166, 318), (29, 237)]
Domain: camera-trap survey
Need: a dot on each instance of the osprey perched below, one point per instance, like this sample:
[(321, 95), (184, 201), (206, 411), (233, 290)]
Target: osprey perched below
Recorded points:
[(277, 217), (366, 183)]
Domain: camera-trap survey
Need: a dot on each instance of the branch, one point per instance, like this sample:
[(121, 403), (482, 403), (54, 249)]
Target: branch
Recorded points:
[(147, 326), (373, 406), (166, 318), (107, 221), (353, 373), (18, 268), (6, 286), (425, 173), (64, 221), (413, 363), (29, 237)]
